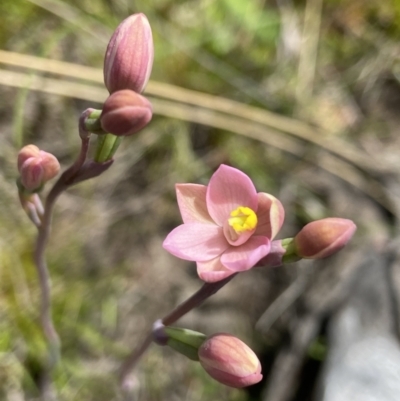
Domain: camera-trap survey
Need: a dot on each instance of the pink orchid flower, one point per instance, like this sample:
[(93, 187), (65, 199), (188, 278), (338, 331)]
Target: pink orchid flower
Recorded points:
[(228, 226)]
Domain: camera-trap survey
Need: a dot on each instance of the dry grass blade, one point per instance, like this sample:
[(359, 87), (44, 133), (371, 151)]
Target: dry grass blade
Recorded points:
[(296, 128), (309, 50), (210, 117), (71, 15), (52, 66)]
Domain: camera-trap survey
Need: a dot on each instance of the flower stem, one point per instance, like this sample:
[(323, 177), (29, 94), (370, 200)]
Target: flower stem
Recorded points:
[(107, 145), (195, 300), (44, 229)]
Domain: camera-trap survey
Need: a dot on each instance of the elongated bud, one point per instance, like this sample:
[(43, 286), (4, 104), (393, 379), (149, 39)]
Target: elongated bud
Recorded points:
[(129, 56), (230, 361), (322, 238), (36, 167), (125, 113), (32, 205)]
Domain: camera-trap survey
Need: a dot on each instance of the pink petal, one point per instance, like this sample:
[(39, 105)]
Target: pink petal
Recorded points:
[(26, 153), (246, 256), (233, 237), (213, 270), (270, 215), (192, 203), (195, 241), (275, 255), (228, 189)]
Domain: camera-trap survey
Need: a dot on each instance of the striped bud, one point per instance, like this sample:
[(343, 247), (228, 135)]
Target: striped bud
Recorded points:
[(129, 56)]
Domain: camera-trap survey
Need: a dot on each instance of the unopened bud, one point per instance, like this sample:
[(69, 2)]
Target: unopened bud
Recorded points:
[(125, 113), (36, 167), (25, 153), (129, 56), (32, 205), (32, 173), (322, 238), (230, 361)]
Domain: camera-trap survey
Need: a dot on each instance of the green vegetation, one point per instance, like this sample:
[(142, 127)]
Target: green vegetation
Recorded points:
[(331, 102)]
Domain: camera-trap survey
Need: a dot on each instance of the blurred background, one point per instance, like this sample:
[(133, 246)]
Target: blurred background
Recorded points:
[(301, 95)]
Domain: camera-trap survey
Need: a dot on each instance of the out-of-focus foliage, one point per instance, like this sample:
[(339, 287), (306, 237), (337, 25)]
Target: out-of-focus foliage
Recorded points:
[(331, 64)]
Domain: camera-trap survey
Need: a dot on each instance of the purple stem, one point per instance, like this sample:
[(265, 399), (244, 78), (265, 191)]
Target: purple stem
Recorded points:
[(195, 300), (42, 240), (76, 173)]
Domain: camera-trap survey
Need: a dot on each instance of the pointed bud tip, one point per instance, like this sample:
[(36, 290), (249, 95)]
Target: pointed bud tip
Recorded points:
[(129, 57)]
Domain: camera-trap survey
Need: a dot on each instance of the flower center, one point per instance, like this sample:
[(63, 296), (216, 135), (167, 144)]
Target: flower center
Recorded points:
[(243, 219)]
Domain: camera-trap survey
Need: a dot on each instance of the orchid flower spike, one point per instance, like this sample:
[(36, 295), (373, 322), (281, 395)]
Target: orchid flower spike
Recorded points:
[(228, 226)]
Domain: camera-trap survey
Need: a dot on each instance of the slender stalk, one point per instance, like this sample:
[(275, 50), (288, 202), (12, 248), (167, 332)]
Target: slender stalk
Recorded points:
[(46, 319), (44, 229), (195, 300), (69, 174), (106, 147)]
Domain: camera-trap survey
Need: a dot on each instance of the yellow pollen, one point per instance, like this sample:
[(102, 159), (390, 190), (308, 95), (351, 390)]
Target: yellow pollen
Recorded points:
[(243, 219)]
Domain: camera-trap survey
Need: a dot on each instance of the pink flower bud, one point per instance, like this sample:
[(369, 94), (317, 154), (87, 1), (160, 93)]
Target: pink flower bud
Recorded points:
[(322, 238), (36, 167), (32, 173), (125, 113), (25, 153), (230, 361), (129, 55)]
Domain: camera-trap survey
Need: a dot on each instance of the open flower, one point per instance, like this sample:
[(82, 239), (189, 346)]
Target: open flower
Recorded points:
[(228, 226)]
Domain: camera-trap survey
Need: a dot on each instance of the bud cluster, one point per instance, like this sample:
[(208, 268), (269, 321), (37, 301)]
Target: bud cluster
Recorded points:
[(219, 219), (127, 67), (36, 167)]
